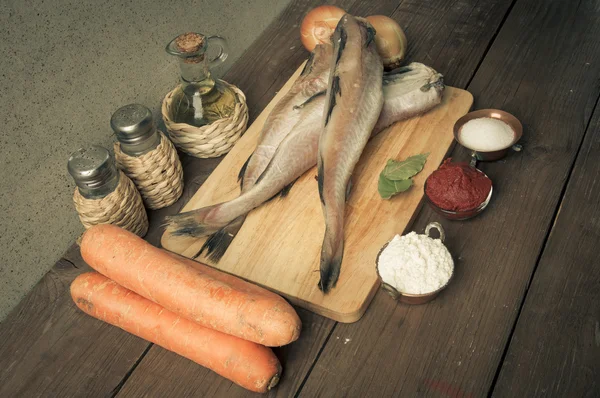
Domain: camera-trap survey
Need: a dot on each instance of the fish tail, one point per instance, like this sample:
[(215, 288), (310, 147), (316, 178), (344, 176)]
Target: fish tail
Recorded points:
[(217, 244), (332, 253), (196, 223), (242, 172)]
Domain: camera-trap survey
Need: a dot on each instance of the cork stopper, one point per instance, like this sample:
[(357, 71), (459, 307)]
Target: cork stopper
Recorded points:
[(189, 42)]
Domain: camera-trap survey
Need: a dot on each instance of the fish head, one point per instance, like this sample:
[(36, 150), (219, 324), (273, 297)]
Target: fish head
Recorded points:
[(352, 38), (356, 27)]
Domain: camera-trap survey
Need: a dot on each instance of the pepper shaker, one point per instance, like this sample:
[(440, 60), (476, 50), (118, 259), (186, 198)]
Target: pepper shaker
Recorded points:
[(147, 156), (104, 195)]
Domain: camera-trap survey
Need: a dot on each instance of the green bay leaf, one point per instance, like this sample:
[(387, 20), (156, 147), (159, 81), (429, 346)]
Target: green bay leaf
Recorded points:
[(388, 188), (396, 171)]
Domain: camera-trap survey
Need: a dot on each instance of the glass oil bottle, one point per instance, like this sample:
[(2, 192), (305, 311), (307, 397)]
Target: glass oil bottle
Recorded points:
[(199, 99)]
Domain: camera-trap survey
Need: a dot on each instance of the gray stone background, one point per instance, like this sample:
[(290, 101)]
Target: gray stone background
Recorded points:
[(65, 66)]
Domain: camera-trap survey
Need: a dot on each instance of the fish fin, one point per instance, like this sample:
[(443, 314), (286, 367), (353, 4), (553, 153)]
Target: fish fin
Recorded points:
[(309, 100), (320, 179), (330, 269), (217, 244), (191, 223), (309, 64), (286, 190), (341, 44), (283, 193), (402, 69), (348, 189), (272, 197), (240, 177), (370, 31), (370, 34), (335, 90)]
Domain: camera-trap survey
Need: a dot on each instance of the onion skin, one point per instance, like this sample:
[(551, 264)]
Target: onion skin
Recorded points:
[(390, 40), (318, 25)]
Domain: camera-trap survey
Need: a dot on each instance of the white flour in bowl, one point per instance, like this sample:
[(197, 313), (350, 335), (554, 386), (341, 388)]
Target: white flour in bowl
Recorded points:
[(415, 264)]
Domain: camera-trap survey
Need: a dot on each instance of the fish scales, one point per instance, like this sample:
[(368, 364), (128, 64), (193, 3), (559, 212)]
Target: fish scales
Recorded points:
[(399, 89), (286, 113), (355, 100)]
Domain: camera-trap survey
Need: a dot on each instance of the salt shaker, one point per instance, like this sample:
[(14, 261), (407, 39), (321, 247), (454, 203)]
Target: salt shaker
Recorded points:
[(104, 195), (147, 156)]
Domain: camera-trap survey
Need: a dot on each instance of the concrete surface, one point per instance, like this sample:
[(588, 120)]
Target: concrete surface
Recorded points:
[(65, 66)]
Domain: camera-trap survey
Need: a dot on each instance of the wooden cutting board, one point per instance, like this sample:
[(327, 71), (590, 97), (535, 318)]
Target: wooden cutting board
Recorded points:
[(279, 245)]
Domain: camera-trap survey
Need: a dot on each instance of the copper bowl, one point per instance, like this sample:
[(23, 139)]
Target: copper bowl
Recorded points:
[(506, 117), (459, 215), (411, 298)]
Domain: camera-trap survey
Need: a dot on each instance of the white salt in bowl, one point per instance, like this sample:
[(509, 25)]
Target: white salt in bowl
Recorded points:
[(505, 117), (411, 298)]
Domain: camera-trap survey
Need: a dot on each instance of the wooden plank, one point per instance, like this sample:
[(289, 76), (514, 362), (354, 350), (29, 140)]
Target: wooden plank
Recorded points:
[(163, 373), (49, 348), (265, 241), (453, 345), (52, 349), (555, 349), (466, 27)]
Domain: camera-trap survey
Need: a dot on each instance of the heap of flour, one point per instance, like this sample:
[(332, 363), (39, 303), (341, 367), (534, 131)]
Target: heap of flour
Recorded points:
[(415, 264)]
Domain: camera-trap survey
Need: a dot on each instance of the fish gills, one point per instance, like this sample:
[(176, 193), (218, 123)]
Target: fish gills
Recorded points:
[(353, 104)]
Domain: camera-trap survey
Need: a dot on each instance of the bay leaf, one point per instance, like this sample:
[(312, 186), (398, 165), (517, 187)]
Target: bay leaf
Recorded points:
[(388, 188), (402, 170)]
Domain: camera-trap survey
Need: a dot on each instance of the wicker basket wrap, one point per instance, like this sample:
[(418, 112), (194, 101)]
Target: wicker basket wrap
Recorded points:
[(122, 207), (157, 174), (212, 140)]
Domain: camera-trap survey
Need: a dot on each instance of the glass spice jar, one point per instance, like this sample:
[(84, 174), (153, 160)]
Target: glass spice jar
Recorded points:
[(135, 129), (104, 195), (147, 156), (94, 171)]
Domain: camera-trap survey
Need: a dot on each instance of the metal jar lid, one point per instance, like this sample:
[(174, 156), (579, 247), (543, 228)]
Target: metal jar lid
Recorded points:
[(91, 167), (132, 124)]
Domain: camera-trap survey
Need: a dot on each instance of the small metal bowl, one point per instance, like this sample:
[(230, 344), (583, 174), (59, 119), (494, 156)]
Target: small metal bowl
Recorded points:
[(462, 214), (410, 298), (506, 117)]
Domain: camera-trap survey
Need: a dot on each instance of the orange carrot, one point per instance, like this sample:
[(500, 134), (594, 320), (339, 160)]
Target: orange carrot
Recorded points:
[(245, 363), (197, 292)]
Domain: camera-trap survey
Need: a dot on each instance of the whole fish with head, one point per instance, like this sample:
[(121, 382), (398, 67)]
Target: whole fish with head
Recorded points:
[(353, 105), (287, 112), (284, 116), (290, 161)]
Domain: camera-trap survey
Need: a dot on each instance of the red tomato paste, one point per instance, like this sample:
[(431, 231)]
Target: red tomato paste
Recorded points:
[(457, 186)]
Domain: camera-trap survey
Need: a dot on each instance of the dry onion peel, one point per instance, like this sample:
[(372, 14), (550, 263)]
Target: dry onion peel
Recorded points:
[(318, 25), (390, 40)]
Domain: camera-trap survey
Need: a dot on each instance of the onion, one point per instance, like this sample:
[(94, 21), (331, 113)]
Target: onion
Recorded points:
[(390, 40), (318, 25)]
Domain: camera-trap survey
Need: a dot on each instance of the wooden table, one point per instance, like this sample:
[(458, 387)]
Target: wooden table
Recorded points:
[(522, 316)]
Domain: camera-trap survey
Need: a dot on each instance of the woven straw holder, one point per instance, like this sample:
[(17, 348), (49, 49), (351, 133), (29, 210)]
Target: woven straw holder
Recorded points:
[(157, 174), (122, 207), (212, 140)]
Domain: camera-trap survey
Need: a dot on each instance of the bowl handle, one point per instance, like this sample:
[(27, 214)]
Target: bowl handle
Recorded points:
[(437, 226), (473, 161)]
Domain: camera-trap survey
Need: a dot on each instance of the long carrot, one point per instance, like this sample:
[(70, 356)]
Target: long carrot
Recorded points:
[(245, 363), (196, 292)]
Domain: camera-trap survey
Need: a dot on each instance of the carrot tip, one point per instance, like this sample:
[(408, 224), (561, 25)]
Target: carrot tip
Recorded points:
[(274, 381)]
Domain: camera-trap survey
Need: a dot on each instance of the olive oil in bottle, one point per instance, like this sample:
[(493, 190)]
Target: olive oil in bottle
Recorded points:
[(199, 99)]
